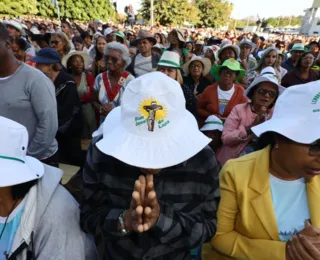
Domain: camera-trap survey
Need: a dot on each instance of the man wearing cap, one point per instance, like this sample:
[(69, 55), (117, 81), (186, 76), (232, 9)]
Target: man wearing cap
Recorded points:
[(27, 96), (296, 51), (108, 33), (247, 61), (68, 103), (146, 60), (150, 192)]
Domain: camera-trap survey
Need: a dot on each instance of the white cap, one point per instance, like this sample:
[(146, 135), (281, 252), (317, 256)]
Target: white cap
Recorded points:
[(212, 123), (108, 31)]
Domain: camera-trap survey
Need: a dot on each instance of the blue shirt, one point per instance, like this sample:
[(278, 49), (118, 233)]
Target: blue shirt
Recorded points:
[(10, 229), (290, 203)]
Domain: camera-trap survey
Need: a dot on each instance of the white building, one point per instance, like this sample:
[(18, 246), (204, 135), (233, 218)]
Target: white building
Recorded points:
[(311, 20)]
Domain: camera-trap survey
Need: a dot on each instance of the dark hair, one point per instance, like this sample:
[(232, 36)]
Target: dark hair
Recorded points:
[(67, 23), (21, 190), (77, 39), (19, 41), (300, 59), (254, 89), (98, 54), (268, 138), (280, 43)]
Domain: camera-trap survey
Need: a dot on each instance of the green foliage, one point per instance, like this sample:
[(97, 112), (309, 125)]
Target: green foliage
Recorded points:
[(284, 21), (167, 12), (214, 13), (15, 8)]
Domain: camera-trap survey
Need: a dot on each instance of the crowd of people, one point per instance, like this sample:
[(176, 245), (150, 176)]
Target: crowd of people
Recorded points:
[(204, 144)]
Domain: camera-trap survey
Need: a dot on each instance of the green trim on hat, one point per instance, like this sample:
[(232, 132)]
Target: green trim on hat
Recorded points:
[(120, 34), (11, 158), (168, 62), (298, 49), (213, 123), (231, 64)]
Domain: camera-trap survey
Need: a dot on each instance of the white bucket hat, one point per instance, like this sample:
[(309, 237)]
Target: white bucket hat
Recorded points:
[(296, 114), (85, 57), (205, 61), (152, 129), (212, 123), (227, 46), (247, 42), (170, 59), (108, 31), (16, 25), (16, 167), (268, 74)]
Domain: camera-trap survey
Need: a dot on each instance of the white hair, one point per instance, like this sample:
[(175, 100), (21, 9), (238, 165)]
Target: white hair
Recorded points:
[(124, 51)]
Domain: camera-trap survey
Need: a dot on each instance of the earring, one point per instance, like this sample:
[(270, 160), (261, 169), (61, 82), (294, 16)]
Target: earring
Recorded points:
[(276, 146)]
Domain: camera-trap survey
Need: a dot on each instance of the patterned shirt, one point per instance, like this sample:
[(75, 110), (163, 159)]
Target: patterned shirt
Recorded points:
[(188, 195)]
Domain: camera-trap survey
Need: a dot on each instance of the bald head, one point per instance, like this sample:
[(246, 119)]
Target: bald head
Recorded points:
[(4, 34)]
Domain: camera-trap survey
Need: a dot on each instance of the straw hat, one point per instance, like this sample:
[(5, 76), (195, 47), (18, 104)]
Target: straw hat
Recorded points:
[(146, 130), (205, 62), (85, 57)]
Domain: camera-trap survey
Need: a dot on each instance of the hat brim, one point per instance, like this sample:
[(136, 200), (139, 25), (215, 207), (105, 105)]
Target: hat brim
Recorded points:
[(151, 39), (298, 49), (151, 153), (210, 128), (15, 172), (291, 128), (205, 62), (251, 44), (216, 70), (42, 60), (259, 80), (85, 57), (234, 47)]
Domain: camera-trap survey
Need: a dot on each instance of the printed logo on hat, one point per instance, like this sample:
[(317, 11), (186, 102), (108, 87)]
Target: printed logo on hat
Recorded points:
[(151, 110), (315, 99)]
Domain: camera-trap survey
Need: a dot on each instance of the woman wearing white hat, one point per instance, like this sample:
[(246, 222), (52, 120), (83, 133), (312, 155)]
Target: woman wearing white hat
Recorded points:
[(169, 64), (269, 207), (76, 63), (213, 128), (39, 219), (211, 53), (237, 137)]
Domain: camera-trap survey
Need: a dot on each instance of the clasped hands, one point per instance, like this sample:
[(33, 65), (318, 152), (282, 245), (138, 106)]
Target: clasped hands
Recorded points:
[(144, 209)]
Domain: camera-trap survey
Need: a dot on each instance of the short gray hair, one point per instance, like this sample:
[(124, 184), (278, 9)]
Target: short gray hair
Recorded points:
[(124, 51)]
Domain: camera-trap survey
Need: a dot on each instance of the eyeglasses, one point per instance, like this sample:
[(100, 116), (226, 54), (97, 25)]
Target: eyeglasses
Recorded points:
[(228, 72), (54, 42), (314, 148), (263, 92), (113, 59)]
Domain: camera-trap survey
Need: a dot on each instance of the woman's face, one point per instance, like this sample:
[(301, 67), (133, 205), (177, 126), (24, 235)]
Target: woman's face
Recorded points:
[(196, 68), (170, 72), (227, 76), (76, 33), (158, 38), (65, 28), (101, 45), (279, 60), (78, 46), (189, 46), (174, 38), (270, 58), (209, 54), (227, 54), (114, 61), (302, 161), (18, 53), (77, 64), (56, 43), (307, 61), (265, 94)]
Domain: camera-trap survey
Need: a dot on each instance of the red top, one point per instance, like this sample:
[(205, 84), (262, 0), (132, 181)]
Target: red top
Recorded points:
[(87, 98)]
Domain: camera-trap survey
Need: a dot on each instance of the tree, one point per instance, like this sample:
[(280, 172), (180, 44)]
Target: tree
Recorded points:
[(166, 12), (214, 13), (15, 8), (193, 14)]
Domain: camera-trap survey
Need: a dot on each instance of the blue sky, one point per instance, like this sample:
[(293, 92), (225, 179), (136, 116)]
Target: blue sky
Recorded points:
[(244, 8)]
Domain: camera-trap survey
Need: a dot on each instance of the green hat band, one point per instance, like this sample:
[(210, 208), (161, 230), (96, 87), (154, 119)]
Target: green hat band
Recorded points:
[(11, 158), (213, 123), (168, 62)]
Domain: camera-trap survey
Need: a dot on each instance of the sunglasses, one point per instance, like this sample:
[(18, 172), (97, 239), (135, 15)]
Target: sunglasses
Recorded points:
[(314, 148), (113, 59), (263, 92), (54, 42)]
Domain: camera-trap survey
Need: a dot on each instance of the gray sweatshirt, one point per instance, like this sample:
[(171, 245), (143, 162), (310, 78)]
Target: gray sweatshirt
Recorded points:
[(49, 228), (28, 97)]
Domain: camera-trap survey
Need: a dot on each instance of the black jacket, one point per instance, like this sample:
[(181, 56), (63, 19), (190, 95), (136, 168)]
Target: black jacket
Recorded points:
[(70, 117), (155, 60), (203, 83)]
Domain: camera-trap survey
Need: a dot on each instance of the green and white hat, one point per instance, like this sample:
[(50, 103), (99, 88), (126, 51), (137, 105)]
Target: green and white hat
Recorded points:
[(170, 59), (298, 47), (212, 123), (15, 166)]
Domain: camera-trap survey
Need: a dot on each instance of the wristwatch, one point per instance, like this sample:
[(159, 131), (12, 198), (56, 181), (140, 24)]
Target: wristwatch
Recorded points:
[(122, 229)]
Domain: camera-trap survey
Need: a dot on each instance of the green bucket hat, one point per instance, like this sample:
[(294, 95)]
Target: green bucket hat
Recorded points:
[(120, 34), (298, 47), (231, 64)]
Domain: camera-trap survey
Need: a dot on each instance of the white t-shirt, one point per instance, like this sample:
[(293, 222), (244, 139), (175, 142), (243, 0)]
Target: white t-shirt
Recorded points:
[(290, 203), (142, 65), (224, 98)]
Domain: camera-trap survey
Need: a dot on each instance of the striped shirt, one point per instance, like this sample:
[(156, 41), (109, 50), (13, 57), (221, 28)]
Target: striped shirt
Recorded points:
[(188, 195)]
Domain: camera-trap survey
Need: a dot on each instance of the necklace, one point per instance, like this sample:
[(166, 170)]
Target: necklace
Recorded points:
[(5, 223)]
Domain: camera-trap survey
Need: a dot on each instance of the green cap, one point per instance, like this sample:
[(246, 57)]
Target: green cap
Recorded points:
[(231, 64), (120, 34)]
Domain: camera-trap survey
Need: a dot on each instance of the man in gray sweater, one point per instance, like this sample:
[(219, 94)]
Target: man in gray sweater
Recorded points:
[(27, 96)]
